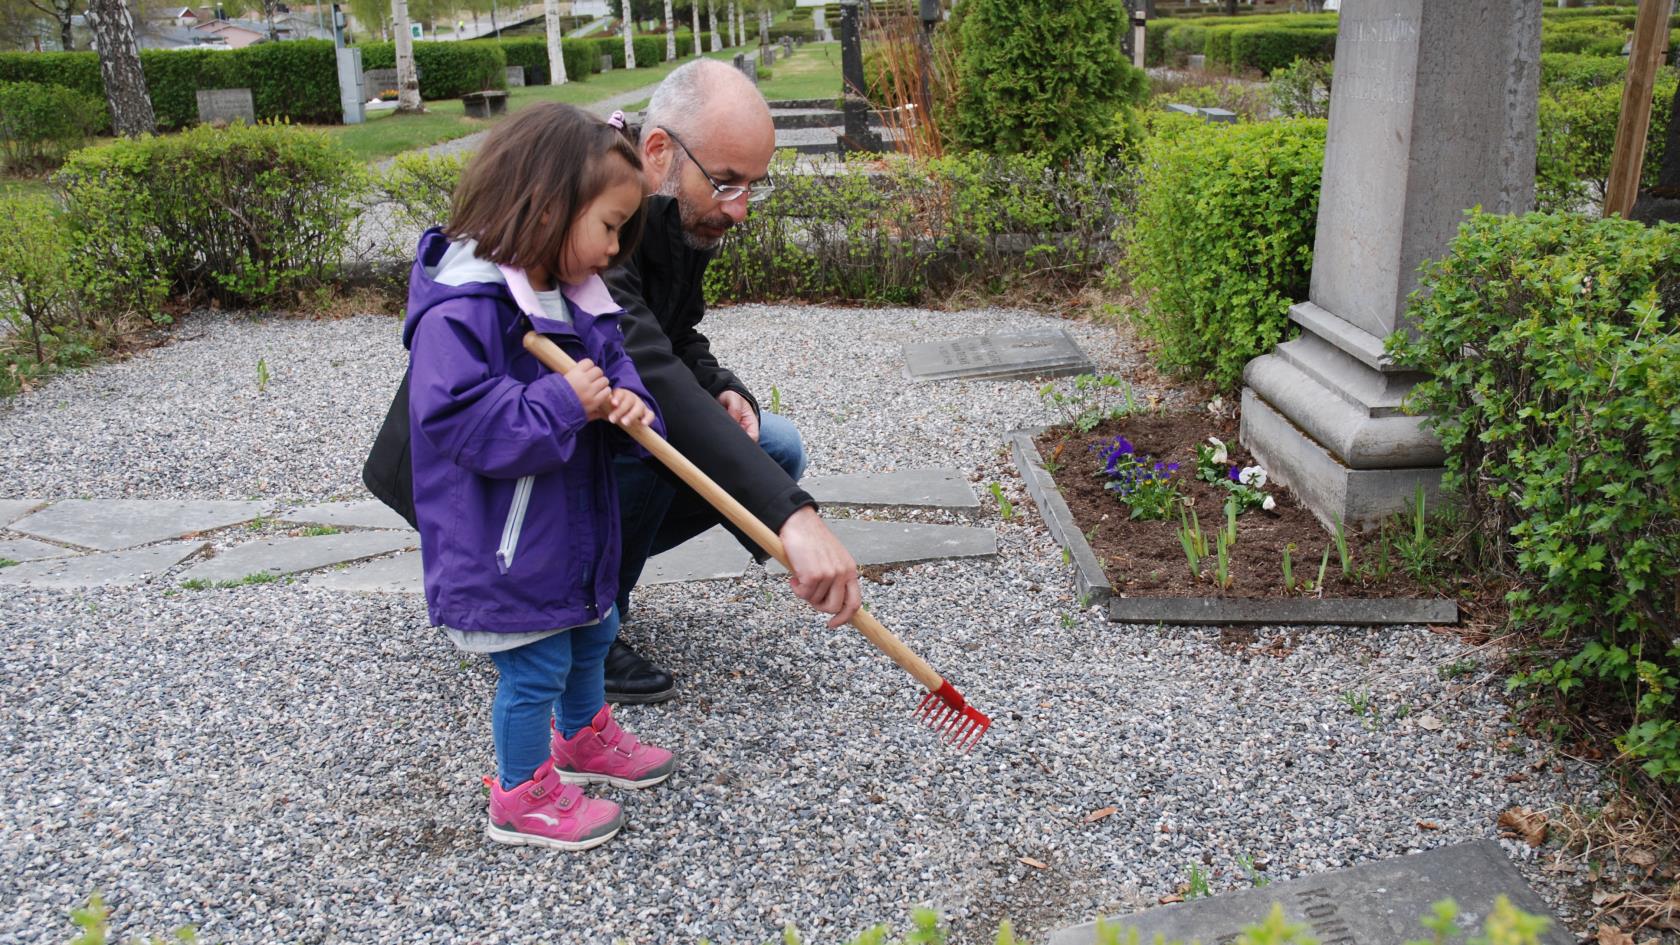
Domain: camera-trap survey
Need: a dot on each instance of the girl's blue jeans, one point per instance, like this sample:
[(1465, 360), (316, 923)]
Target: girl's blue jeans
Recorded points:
[(558, 677)]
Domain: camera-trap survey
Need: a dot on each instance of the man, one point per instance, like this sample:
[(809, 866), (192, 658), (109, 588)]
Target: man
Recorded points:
[(706, 148)]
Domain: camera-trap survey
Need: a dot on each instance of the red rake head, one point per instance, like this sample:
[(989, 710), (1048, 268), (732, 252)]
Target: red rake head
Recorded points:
[(946, 711)]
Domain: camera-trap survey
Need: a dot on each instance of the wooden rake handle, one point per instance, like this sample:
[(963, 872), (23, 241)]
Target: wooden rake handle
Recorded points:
[(559, 362)]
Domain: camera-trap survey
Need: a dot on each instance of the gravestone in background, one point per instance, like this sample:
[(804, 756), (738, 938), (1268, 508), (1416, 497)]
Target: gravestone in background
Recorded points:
[(379, 80), (225, 106), (516, 77), (996, 356), (1371, 904), (1434, 111), (606, 62)]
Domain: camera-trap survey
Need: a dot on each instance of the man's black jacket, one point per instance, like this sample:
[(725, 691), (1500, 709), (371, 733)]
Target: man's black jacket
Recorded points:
[(660, 289)]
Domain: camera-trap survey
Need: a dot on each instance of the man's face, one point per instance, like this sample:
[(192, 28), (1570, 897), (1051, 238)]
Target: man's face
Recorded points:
[(730, 157)]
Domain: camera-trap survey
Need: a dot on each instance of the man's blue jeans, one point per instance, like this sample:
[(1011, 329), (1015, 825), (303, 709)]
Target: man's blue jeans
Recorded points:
[(656, 516)]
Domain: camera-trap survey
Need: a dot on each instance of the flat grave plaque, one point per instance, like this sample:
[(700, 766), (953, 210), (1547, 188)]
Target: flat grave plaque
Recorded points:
[(516, 77), (225, 106), (1376, 903), (996, 356)]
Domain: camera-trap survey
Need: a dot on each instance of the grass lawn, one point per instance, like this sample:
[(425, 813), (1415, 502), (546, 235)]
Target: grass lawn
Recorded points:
[(386, 133), (813, 72), (24, 187)]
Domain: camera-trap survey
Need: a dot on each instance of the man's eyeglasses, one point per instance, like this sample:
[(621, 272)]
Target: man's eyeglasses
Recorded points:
[(724, 193)]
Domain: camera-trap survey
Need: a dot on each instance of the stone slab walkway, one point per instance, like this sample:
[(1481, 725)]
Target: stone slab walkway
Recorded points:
[(110, 524), (109, 569), (922, 488), (295, 555)]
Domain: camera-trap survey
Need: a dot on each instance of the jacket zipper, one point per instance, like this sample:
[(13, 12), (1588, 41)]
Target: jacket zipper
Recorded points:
[(515, 523)]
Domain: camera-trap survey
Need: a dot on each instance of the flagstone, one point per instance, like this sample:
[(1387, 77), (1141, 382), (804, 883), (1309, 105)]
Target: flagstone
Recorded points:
[(713, 555), (294, 555), (363, 513), (13, 509), (110, 524), (111, 569), (398, 574), (28, 549), (908, 488), (907, 543)]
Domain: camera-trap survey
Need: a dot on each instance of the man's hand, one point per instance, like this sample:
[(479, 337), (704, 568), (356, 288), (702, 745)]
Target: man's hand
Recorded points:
[(824, 573), (740, 410)]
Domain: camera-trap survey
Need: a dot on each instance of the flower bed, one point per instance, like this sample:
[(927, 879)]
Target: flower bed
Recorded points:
[(1153, 493)]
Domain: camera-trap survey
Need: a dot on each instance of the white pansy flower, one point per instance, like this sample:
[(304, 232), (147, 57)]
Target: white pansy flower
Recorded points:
[(1269, 504), (1219, 453), (1253, 476)]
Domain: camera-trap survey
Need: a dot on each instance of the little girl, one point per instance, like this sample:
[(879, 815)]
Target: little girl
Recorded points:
[(513, 484)]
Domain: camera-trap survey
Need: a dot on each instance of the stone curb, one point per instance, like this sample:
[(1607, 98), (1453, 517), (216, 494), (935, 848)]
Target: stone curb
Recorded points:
[(1088, 574), (1202, 611)]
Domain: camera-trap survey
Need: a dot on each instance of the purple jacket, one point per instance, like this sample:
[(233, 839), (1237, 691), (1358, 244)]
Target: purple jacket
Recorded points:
[(513, 488)]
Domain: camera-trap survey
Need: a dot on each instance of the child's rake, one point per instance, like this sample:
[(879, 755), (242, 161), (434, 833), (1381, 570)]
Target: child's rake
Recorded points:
[(943, 708)]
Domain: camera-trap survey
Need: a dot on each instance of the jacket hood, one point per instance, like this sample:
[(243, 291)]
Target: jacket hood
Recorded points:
[(429, 283)]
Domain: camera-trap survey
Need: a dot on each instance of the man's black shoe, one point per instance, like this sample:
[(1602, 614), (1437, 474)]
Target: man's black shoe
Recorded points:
[(634, 680)]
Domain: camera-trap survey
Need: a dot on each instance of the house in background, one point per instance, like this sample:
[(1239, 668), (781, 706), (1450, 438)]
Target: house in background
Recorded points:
[(236, 34)]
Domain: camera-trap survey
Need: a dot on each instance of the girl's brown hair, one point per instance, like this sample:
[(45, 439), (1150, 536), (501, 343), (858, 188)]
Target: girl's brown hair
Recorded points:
[(535, 173)]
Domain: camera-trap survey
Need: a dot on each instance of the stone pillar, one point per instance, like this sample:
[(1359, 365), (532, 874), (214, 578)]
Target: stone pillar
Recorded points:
[(857, 136), (1434, 110)]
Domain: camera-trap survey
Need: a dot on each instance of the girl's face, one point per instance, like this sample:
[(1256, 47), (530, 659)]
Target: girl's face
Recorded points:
[(592, 241)]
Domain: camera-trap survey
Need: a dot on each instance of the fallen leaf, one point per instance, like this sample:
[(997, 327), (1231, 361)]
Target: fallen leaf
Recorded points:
[(1610, 935), (1605, 897), (1041, 865), (1428, 825), (1640, 856), (1429, 723), (1527, 824), (1097, 815), (1515, 777), (1559, 865), (1168, 900)]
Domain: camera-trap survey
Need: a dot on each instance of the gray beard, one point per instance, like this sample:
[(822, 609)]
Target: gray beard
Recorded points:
[(687, 213)]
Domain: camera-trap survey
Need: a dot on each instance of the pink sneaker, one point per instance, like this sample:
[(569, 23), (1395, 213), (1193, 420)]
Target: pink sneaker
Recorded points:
[(544, 812), (603, 753)]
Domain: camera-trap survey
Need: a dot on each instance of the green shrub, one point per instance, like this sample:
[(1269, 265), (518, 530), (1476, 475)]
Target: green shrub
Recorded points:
[(38, 296), (418, 187), (297, 80), (1265, 49), (447, 69), (1012, 98), (898, 233), (610, 46), (1185, 40), (1302, 89), (1569, 70), (40, 124), (1221, 244), (240, 216), (532, 53), (1554, 350), (1578, 135)]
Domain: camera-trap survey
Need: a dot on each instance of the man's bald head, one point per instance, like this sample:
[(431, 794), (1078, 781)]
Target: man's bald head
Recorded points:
[(707, 126)]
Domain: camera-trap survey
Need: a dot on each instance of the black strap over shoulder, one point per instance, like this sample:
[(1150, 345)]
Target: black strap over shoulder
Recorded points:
[(389, 470)]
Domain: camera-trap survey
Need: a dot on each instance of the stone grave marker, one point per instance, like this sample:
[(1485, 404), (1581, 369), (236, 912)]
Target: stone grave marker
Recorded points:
[(606, 62), (1223, 116), (516, 77), (225, 106), (787, 46), (769, 55), (1181, 109), (379, 80), (996, 356), (1371, 904)]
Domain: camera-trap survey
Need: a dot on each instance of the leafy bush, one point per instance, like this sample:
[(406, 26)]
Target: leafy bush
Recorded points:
[(1205, 90), (296, 80), (447, 69), (1302, 89), (1268, 48), (417, 188), (1221, 244), (1012, 98), (1582, 72), (532, 53), (1578, 135), (40, 124), (611, 46), (917, 228), (241, 215), (38, 297), (1554, 348)]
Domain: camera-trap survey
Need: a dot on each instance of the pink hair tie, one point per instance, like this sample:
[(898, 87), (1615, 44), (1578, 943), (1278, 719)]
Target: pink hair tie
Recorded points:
[(616, 119)]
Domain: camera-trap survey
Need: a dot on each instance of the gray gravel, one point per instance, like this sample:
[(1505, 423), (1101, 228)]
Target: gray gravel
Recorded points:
[(276, 763)]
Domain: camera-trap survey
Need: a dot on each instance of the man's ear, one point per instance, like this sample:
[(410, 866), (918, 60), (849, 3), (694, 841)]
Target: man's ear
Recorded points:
[(658, 151)]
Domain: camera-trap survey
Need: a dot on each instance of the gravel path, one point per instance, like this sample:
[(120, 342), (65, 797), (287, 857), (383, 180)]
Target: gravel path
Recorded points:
[(277, 763)]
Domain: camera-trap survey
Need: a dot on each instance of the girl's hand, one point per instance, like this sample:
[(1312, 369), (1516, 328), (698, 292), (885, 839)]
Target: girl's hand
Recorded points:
[(629, 410), (590, 386)]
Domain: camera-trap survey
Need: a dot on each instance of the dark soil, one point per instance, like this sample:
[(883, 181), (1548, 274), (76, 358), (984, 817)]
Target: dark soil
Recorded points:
[(1145, 558)]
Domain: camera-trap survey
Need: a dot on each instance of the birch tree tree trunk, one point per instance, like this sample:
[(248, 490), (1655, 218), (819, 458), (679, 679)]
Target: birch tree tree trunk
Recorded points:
[(119, 67), (629, 25), (734, 38), (699, 40), (763, 27), (670, 33), (408, 81), (711, 18), (556, 55)]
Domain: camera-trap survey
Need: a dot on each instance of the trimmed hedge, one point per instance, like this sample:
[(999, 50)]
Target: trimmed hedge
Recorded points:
[(1268, 49), (296, 79), (532, 53), (1572, 70), (447, 69), (1578, 134), (40, 124), (1222, 240), (1553, 348)]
